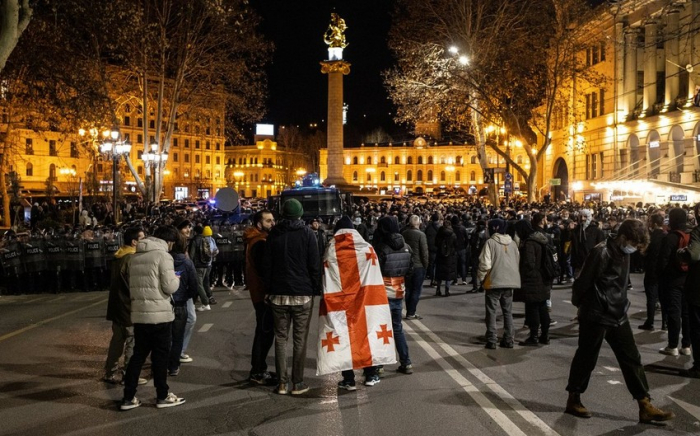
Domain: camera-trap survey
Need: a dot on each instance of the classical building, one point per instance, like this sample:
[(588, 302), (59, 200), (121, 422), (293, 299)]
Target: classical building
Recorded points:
[(639, 135), (419, 167)]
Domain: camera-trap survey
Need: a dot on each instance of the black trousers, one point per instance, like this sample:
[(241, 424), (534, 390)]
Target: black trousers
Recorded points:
[(264, 338), (536, 315), (178, 336), (673, 302), (153, 339), (694, 318), (651, 289), (621, 340)]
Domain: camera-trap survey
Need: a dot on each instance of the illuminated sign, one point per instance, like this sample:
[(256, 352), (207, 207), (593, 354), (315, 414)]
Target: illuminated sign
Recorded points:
[(654, 144), (679, 198), (265, 129)]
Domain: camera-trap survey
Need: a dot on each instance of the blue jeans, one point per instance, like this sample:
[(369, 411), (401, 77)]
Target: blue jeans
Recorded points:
[(504, 298), (396, 308), (189, 327), (414, 287)]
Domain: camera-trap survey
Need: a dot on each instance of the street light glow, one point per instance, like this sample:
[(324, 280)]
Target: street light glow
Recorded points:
[(453, 49), (463, 60)]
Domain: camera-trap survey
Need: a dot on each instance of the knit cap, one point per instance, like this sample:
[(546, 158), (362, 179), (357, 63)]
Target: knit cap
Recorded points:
[(292, 209), (206, 231)]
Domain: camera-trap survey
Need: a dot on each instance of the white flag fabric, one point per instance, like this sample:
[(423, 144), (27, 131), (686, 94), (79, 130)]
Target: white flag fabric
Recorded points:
[(354, 329)]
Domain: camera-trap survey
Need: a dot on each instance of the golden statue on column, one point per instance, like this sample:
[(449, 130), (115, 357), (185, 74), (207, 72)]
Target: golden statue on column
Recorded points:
[(335, 35)]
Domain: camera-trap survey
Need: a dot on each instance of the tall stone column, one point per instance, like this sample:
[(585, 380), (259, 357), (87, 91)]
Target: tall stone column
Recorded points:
[(672, 59), (630, 76), (336, 70), (649, 66)]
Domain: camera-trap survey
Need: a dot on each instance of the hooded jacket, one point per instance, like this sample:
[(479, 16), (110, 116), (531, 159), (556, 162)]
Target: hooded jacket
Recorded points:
[(395, 262), (188, 279), (254, 261), (292, 262), (152, 281), (419, 246), (600, 291), (691, 254), (499, 263), (535, 287), (446, 256), (119, 303)]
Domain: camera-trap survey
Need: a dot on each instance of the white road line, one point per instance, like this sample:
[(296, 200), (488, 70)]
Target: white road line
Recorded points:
[(227, 304), (205, 328), (690, 408), (612, 368), (58, 298), (32, 300), (495, 387), (614, 382)]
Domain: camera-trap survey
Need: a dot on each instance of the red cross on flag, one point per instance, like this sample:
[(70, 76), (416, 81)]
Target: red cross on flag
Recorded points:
[(354, 329)]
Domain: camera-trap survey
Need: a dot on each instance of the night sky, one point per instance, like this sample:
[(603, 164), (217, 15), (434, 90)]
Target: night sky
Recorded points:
[(297, 89)]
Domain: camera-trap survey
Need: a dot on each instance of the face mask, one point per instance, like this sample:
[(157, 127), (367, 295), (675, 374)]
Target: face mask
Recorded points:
[(629, 249), (588, 221)]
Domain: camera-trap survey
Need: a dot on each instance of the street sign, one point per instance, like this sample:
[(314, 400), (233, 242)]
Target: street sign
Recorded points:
[(499, 170), (508, 187), (554, 182), (509, 176)]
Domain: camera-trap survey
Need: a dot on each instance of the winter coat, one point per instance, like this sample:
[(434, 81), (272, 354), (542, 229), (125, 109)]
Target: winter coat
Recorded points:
[(667, 266), (188, 279), (292, 262), (651, 255), (431, 233), (534, 287), (255, 249), (152, 281), (419, 246), (395, 262), (119, 303), (462, 237), (583, 241), (499, 263), (691, 291), (195, 248), (446, 254), (600, 291)]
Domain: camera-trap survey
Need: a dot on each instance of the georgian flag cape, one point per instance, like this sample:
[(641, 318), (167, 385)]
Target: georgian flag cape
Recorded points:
[(354, 329)]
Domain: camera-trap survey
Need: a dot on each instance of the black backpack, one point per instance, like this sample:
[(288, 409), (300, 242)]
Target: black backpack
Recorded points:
[(550, 263)]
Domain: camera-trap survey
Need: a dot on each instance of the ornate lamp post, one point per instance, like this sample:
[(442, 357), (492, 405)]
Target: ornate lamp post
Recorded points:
[(113, 148), (156, 160)]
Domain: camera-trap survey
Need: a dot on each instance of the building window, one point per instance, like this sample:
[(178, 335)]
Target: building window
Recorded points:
[(127, 120), (29, 146), (30, 169), (396, 160), (354, 176), (458, 177), (369, 177), (382, 177), (382, 160), (419, 175), (396, 177), (430, 176), (207, 160), (175, 159), (519, 159), (369, 160), (218, 160), (472, 176), (207, 145), (187, 158), (52, 172), (196, 158), (473, 160), (409, 161), (52, 148), (74, 150), (354, 160), (152, 124), (139, 122), (442, 176), (218, 146), (588, 167), (420, 160), (594, 166), (409, 175), (442, 160), (187, 143), (430, 160), (196, 144), (602, 169), (139, 139), (174, 142), (140, 170)]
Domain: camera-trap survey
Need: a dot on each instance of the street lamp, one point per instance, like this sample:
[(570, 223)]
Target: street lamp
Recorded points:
[(70, 174), (157, 161), (113, 149)]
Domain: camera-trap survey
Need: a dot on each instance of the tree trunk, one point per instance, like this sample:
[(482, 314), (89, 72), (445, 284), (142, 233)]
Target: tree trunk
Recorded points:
[(532, 192), (14, 19), (6, 221)]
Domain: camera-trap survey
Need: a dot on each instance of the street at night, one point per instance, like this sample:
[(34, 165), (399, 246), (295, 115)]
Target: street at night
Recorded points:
[(53, 347)]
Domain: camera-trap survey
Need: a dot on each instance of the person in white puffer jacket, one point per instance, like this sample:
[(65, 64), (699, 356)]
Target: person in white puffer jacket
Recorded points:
[(152, 281)]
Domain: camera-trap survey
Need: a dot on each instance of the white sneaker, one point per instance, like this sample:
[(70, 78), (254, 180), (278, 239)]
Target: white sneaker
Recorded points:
[(185, 358), (171, 400), (685, 351), (203, 308), (129, 404), (669, 351)]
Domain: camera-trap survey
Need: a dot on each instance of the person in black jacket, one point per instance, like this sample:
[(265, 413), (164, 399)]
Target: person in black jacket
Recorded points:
[(671, 282), (445, 258), (586, 235), (184, 267), (431, 232), (600, 293), (292, 276), (651, 277), (476, 243), (461, 246), (691, 292)]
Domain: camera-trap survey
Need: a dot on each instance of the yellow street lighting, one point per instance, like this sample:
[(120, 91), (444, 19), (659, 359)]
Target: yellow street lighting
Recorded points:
[(453, 49), (463, 60)]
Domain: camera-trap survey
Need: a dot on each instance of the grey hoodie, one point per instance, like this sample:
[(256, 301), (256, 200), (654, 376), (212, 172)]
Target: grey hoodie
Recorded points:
[(499, 263)]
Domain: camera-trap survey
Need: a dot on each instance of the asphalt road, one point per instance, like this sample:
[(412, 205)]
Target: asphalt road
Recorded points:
[(52, 351)]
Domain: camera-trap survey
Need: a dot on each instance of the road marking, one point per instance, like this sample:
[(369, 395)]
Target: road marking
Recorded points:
[(205, 328), (566, 301), (690, 408), (227, 304), (46, 321), (529, 416), (33, 300), (612, 368), (58, 298), (614, 382)]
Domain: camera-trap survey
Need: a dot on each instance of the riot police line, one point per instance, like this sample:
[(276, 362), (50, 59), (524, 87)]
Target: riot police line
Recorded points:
[(54, 263)]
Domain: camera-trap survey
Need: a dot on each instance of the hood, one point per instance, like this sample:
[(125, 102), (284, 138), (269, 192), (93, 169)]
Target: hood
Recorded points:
[(502, 239), (178, 258), (124, 250), (151, 244), (395, 241), (539, 237), (251, 233), (288, 225)]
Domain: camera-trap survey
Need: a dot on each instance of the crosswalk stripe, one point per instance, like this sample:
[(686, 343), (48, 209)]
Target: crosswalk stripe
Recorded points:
[(205, 328), (227, 304)]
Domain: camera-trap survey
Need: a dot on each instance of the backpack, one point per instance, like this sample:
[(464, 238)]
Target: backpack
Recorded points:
[(205, 255), (550, 268), (683, 239)]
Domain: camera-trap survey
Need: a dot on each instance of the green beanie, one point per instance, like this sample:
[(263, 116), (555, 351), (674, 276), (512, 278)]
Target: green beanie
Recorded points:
[(292, 209)]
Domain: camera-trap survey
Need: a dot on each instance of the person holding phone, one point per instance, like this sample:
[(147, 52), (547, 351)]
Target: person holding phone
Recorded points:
[(184, 268)]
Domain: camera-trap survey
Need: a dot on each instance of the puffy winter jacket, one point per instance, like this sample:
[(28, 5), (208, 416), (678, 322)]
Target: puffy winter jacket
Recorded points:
[(499, 263), (152, 281), (535, 288), (395, 262)]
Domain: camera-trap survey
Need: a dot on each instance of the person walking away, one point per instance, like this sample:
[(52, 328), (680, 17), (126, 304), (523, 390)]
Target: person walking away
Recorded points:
[(672, 274), (445, 257), (476, 243), (691, 292), (184, 227), (600, 293), (500, 275), (420, 256), (152, 281), (292, 278), (187, 290), (119, 307), (208, 235), (536, 289), (200, 253), (431, 233), (395, 263), (461, 246), (586, 235), (255, 238), (651, 275)]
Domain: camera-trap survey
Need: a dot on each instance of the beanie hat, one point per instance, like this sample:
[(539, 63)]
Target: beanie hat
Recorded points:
[(454, 220), (207, 231), (436, 217), (343, 223), (181, 223), (198, 229), (389, 225), (497, 225), (292, 209)]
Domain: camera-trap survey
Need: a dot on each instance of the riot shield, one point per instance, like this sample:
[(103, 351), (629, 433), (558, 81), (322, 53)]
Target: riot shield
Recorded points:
[(73, 254), (55, 258), (94, 253), (224, 241), (238, 244), (11, 259), (34, 256)]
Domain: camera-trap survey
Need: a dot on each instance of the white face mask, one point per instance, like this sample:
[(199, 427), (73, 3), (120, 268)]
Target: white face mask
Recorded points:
[(629, 249)]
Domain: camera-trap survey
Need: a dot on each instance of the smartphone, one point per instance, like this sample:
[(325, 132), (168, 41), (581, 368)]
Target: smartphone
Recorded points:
[(178, 273)]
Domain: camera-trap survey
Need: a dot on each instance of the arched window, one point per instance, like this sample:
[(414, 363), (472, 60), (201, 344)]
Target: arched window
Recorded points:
[(409, 175), (457, 177), (430, 175), (472, 176), (430, 160), (473, 159), (519, 159), (442, 160), (369, 177), (396, 160), (354, 160), (369, 160), (354, 175), (410, 160), (442, 176), (419, 175), (52, 172), (396, 177), (382, 176), (420, 160), (30, 169), (382, 160)]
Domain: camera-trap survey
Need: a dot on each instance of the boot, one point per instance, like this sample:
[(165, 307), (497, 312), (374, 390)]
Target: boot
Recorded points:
[(531, 341), (574, 406), (438, 293), (447, 292), (649, 414)]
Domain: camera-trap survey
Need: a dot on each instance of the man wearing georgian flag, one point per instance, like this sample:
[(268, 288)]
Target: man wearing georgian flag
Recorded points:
[(355, 328)]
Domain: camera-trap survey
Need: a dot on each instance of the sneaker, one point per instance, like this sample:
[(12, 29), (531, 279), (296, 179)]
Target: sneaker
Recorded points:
[(282, 389), (380, 370), (371, 381), (174, 372), (414, 316), (553, 322), (129, 404), (348, 385), (490, 346), (262, 378), (212, 300), (112, 379), (530, 342), (648, 327), (405, 369), (142, 381), (685, 351), (171, 400), (506, 344), (669, 351), (185, 358), (202, 308), (300, 388)]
